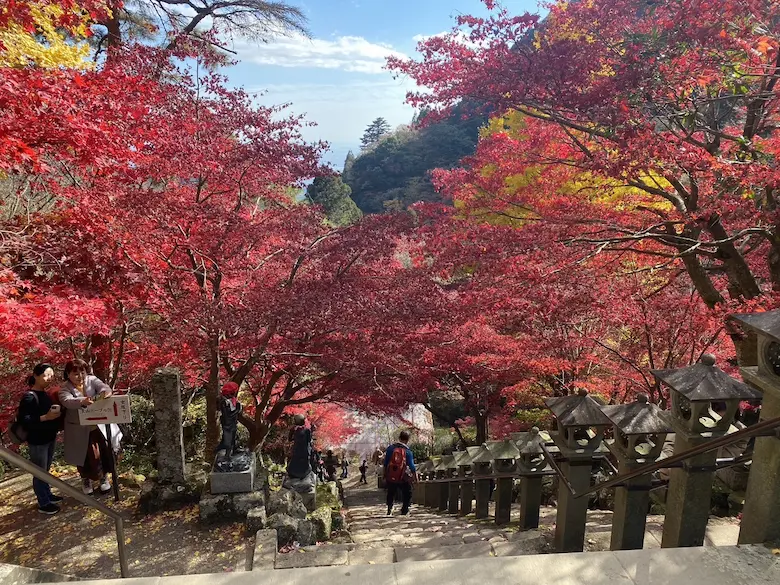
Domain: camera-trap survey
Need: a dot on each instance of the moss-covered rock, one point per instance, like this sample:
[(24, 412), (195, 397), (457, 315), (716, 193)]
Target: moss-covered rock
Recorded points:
[(322, 520)]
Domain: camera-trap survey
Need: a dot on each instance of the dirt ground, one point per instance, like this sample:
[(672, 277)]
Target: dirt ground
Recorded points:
[(80, 541)]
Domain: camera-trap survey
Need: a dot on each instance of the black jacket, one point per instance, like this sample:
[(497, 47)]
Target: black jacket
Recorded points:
[(30, 413)]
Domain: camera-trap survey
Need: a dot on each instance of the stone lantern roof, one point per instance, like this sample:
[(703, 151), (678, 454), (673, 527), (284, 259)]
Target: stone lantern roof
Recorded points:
[(767, 323), (705, 382), (638, 418), (448, 462), (462, 458), (481, 454), (529, 443), (579, 410), (503, 449)]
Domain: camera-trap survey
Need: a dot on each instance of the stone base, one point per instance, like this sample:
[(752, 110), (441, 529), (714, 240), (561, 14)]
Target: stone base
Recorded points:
[(229, 507), (233, 482), (157, 496)]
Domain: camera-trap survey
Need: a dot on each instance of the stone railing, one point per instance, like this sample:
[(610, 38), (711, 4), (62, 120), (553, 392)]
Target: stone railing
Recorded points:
[(705, 401)]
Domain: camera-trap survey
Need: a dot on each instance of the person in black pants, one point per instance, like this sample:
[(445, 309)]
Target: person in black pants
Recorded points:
[(39, 417), (399, 475)]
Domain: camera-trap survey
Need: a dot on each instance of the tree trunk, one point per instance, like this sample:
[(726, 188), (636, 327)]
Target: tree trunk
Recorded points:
[(212, 396), (481, 421), (743, 283)]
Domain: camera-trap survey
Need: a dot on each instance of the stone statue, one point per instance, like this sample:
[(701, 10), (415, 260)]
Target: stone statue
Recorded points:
[(228, 456), (300, 471)]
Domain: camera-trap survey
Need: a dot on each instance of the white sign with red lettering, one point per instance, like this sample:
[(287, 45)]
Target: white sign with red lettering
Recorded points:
[(114, 409)]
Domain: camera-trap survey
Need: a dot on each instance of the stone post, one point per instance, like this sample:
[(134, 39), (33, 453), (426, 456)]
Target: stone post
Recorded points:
[(572, 512), (444, 494), (688, 496), (432, 495), (530, 502), (761, 514), (482, 498), (419, 493), (466, 496), (166, 394), (631, 504), (453, 495), (504, 500)]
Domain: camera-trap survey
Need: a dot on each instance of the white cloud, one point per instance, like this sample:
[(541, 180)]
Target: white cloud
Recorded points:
[(347, 53), (342, 111)]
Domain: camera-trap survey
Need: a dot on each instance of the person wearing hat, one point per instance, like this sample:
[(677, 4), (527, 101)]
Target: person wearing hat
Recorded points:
[(229, 408)]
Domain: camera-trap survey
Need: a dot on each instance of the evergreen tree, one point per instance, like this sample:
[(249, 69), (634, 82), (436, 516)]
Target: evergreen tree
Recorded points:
[(334, 196), (375, 131), (346, 174)]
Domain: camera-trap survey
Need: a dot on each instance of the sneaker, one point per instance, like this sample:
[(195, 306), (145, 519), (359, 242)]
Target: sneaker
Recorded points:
[(55, 499), (49, 509), (390, 512), (105, 487), (86, 487)]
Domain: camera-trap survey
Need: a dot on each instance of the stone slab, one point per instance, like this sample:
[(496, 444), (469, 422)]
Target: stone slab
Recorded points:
[(371, 556), (460, 551), (514, 549), (317, 556), (233, 482), (264, 556)]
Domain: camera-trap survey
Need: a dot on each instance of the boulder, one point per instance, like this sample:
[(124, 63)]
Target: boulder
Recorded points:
[(321, 518), (256, 519), (242, 503), (215, 508), (328, 495), (305, 534), (336, 520), (156, 495), (286, 528), (286, 502)]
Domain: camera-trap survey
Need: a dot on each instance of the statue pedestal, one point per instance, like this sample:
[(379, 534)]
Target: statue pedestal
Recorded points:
[(234, 482)]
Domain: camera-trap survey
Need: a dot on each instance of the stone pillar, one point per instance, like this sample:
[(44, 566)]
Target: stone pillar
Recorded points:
[(444, 494), (761, 514), (454, 496), (166, 394), (572, 512), (504, 500), (631, 505), (419, 493), (482, 497), (432, 495), (466, 496), (530, 502), (688, 496)]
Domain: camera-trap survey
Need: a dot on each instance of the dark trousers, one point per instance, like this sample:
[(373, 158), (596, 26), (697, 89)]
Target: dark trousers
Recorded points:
[(42, 456), (405, 488)]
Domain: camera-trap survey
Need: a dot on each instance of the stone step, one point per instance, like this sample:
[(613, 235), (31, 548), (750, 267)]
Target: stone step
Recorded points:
[(16, 575), (753, 565)]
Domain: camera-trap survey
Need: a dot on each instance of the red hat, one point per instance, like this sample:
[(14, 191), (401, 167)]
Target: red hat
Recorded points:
[(230, 389)]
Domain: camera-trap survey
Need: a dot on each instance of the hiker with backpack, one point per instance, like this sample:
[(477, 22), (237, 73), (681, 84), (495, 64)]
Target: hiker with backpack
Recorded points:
[(400, 473), (38, 424)]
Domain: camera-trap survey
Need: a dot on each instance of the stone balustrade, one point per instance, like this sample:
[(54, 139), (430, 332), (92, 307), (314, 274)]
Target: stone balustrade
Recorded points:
[(705, 401)]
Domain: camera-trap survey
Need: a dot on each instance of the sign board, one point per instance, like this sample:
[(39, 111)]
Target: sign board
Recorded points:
[(114, 409)]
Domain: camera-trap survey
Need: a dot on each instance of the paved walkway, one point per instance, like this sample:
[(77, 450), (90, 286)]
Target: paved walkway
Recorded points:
[(428, 535)]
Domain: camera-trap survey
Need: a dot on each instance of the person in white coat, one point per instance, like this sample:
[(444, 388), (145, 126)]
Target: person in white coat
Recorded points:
[(85, 446)]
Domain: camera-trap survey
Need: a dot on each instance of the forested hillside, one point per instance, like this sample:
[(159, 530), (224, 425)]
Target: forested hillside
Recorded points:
[(392, 173)]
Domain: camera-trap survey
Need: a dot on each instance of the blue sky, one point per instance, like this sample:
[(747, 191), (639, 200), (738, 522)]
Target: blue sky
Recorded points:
[(336, 78)]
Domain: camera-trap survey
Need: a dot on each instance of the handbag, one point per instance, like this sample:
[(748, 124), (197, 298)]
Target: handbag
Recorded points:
[(16, 431)]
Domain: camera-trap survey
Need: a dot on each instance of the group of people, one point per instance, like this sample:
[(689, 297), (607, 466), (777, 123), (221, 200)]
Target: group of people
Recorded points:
[(45, 409)]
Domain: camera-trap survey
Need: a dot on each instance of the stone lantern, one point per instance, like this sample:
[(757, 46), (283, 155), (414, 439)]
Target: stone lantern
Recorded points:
[(445, 472), (640, 429), (453, 486), (463, 461), (482, 467), (532, 465), (761, 514), (422, 485), (579, 432), (433, 491), (705, 401), (505, 454)]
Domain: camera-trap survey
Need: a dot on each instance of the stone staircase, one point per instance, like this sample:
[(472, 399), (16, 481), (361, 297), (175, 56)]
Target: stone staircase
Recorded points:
[(427, 535)]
